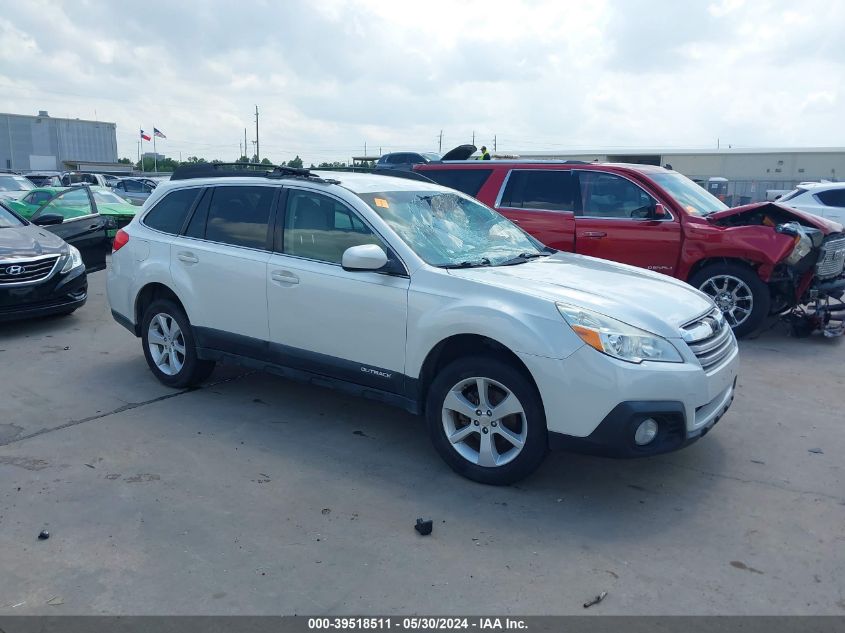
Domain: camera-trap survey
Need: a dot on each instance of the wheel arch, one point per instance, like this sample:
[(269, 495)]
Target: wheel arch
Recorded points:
[(463, 345), (149, 293), (708, 261)]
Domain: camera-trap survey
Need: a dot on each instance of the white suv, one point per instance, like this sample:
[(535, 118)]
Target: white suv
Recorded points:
[(413, 294)]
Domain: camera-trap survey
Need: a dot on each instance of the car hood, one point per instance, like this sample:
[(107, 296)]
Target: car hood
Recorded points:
[(461, 152), (117, 208), (647, 300), (808, 219), (28, 241)]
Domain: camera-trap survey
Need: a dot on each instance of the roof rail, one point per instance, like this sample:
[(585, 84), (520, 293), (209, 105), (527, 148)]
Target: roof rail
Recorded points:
[(234, 170), (399, 173)]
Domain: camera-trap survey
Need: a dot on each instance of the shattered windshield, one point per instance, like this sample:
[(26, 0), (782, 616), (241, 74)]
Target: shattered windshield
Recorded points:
[(693, 198), (453, 231)]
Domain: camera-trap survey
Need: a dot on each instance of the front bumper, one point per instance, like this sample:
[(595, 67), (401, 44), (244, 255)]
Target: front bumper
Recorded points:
[(58, 294), (594, 403), (614, 436)]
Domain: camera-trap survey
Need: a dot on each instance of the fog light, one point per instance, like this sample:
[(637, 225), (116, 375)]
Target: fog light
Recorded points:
[(646, 432)]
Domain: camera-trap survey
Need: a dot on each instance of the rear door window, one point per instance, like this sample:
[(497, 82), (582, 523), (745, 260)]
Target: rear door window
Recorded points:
[(468, 181), (832, 198), (549, 189), (169, 213), (239, 216)]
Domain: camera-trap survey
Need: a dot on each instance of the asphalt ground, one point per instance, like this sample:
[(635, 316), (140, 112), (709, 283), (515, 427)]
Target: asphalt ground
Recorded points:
[(255, 495)]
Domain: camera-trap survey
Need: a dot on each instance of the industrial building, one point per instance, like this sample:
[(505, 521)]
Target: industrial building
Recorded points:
[(738, 176), (45, 143)]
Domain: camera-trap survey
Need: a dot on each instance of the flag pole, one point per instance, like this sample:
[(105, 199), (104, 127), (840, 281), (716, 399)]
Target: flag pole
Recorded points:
[(155, 153)]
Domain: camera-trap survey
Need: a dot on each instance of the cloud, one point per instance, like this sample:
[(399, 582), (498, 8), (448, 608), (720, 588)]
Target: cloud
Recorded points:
[(332, 75)]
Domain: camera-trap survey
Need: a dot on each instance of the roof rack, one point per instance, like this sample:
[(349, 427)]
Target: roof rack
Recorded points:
[(235, 170)]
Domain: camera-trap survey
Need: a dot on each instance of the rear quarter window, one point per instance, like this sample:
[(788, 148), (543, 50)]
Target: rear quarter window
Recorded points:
[(169, 213), (832, 197), (468, 181)]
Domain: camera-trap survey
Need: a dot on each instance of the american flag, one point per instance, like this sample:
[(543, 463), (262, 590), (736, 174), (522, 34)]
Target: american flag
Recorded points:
[(158, 133)]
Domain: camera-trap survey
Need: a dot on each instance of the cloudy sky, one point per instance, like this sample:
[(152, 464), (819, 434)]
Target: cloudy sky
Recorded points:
[(329, 76)]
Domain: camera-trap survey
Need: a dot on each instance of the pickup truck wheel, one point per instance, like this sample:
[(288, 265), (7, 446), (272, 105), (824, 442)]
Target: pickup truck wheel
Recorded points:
[(169, 346), (739, 293), (486, 420)]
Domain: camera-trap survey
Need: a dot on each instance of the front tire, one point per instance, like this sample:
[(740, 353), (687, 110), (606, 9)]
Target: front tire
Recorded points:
[(486, 420), (739, 293), (170, 348)]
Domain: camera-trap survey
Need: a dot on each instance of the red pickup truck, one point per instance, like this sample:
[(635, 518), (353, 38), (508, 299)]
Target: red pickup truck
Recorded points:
[(754, 260)]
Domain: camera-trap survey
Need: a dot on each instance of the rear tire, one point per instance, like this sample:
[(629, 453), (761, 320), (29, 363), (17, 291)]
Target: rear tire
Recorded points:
[(170, 348), (738, 291), (498, 438)]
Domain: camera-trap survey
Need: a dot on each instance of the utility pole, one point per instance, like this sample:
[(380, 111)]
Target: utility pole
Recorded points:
[(254, 151), (494, 142), (440, 143), (257, 146), (240, 150), (365, 148), (246, 148), (473, 137)]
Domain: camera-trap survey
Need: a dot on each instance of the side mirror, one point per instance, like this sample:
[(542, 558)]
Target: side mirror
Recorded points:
[(48, 219), (364, 257), (660, 212)]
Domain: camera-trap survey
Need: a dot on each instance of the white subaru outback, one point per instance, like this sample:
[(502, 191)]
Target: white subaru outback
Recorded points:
[(412, 294)]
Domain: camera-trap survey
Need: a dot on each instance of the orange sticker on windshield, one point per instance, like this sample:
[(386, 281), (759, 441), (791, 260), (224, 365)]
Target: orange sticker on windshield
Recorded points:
[(381, 202)]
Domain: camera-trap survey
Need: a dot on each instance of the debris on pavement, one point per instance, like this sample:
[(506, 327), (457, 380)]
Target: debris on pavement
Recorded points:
[(595, 600), (90, 466), (43, 535), (325, 511), (817, 451), (55, 601), (424, 526)]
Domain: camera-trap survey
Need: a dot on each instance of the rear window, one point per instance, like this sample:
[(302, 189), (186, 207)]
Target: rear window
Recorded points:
[(468, 181), (832, 197), (549, 189), (170, 212)]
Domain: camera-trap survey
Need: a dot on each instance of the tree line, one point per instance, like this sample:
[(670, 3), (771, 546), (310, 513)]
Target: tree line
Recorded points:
[(169, 164)]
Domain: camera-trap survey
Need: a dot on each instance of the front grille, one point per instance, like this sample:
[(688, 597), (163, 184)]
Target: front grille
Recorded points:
[(710, 338), (831, 259), (26, 271)]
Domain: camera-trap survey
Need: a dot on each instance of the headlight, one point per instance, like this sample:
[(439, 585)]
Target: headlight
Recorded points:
[(74, 259), (803, 247), (618, 339)]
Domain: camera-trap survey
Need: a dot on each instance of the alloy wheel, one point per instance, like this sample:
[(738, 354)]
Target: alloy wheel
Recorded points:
[(732, 296), (166, 343), (484, 422)]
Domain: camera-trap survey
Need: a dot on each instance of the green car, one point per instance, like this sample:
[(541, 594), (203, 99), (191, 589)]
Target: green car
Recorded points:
[(76, 202)]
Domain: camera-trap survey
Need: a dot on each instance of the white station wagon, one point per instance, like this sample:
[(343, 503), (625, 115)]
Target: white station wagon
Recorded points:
[(412, 294)]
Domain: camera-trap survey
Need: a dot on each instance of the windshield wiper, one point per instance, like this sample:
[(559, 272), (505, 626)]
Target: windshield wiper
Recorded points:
[(476, 264), (522, 258)]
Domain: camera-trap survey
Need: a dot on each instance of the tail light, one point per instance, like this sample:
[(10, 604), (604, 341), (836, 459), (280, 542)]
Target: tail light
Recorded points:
[(121, 239)]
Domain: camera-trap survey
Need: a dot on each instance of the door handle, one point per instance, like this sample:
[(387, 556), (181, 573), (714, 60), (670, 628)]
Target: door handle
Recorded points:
[(93, 226), (515, 221), (188, 258), (284, 277), (597, 234)]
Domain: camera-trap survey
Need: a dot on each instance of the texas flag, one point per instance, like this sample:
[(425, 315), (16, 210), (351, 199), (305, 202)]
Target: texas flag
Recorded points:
[(145, 137), (158, 133)]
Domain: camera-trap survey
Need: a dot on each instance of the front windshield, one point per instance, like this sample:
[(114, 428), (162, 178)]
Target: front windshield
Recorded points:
[(431, 156), (15, 183), (690, 196), (7, 219), (450, 230), (107, 197)]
